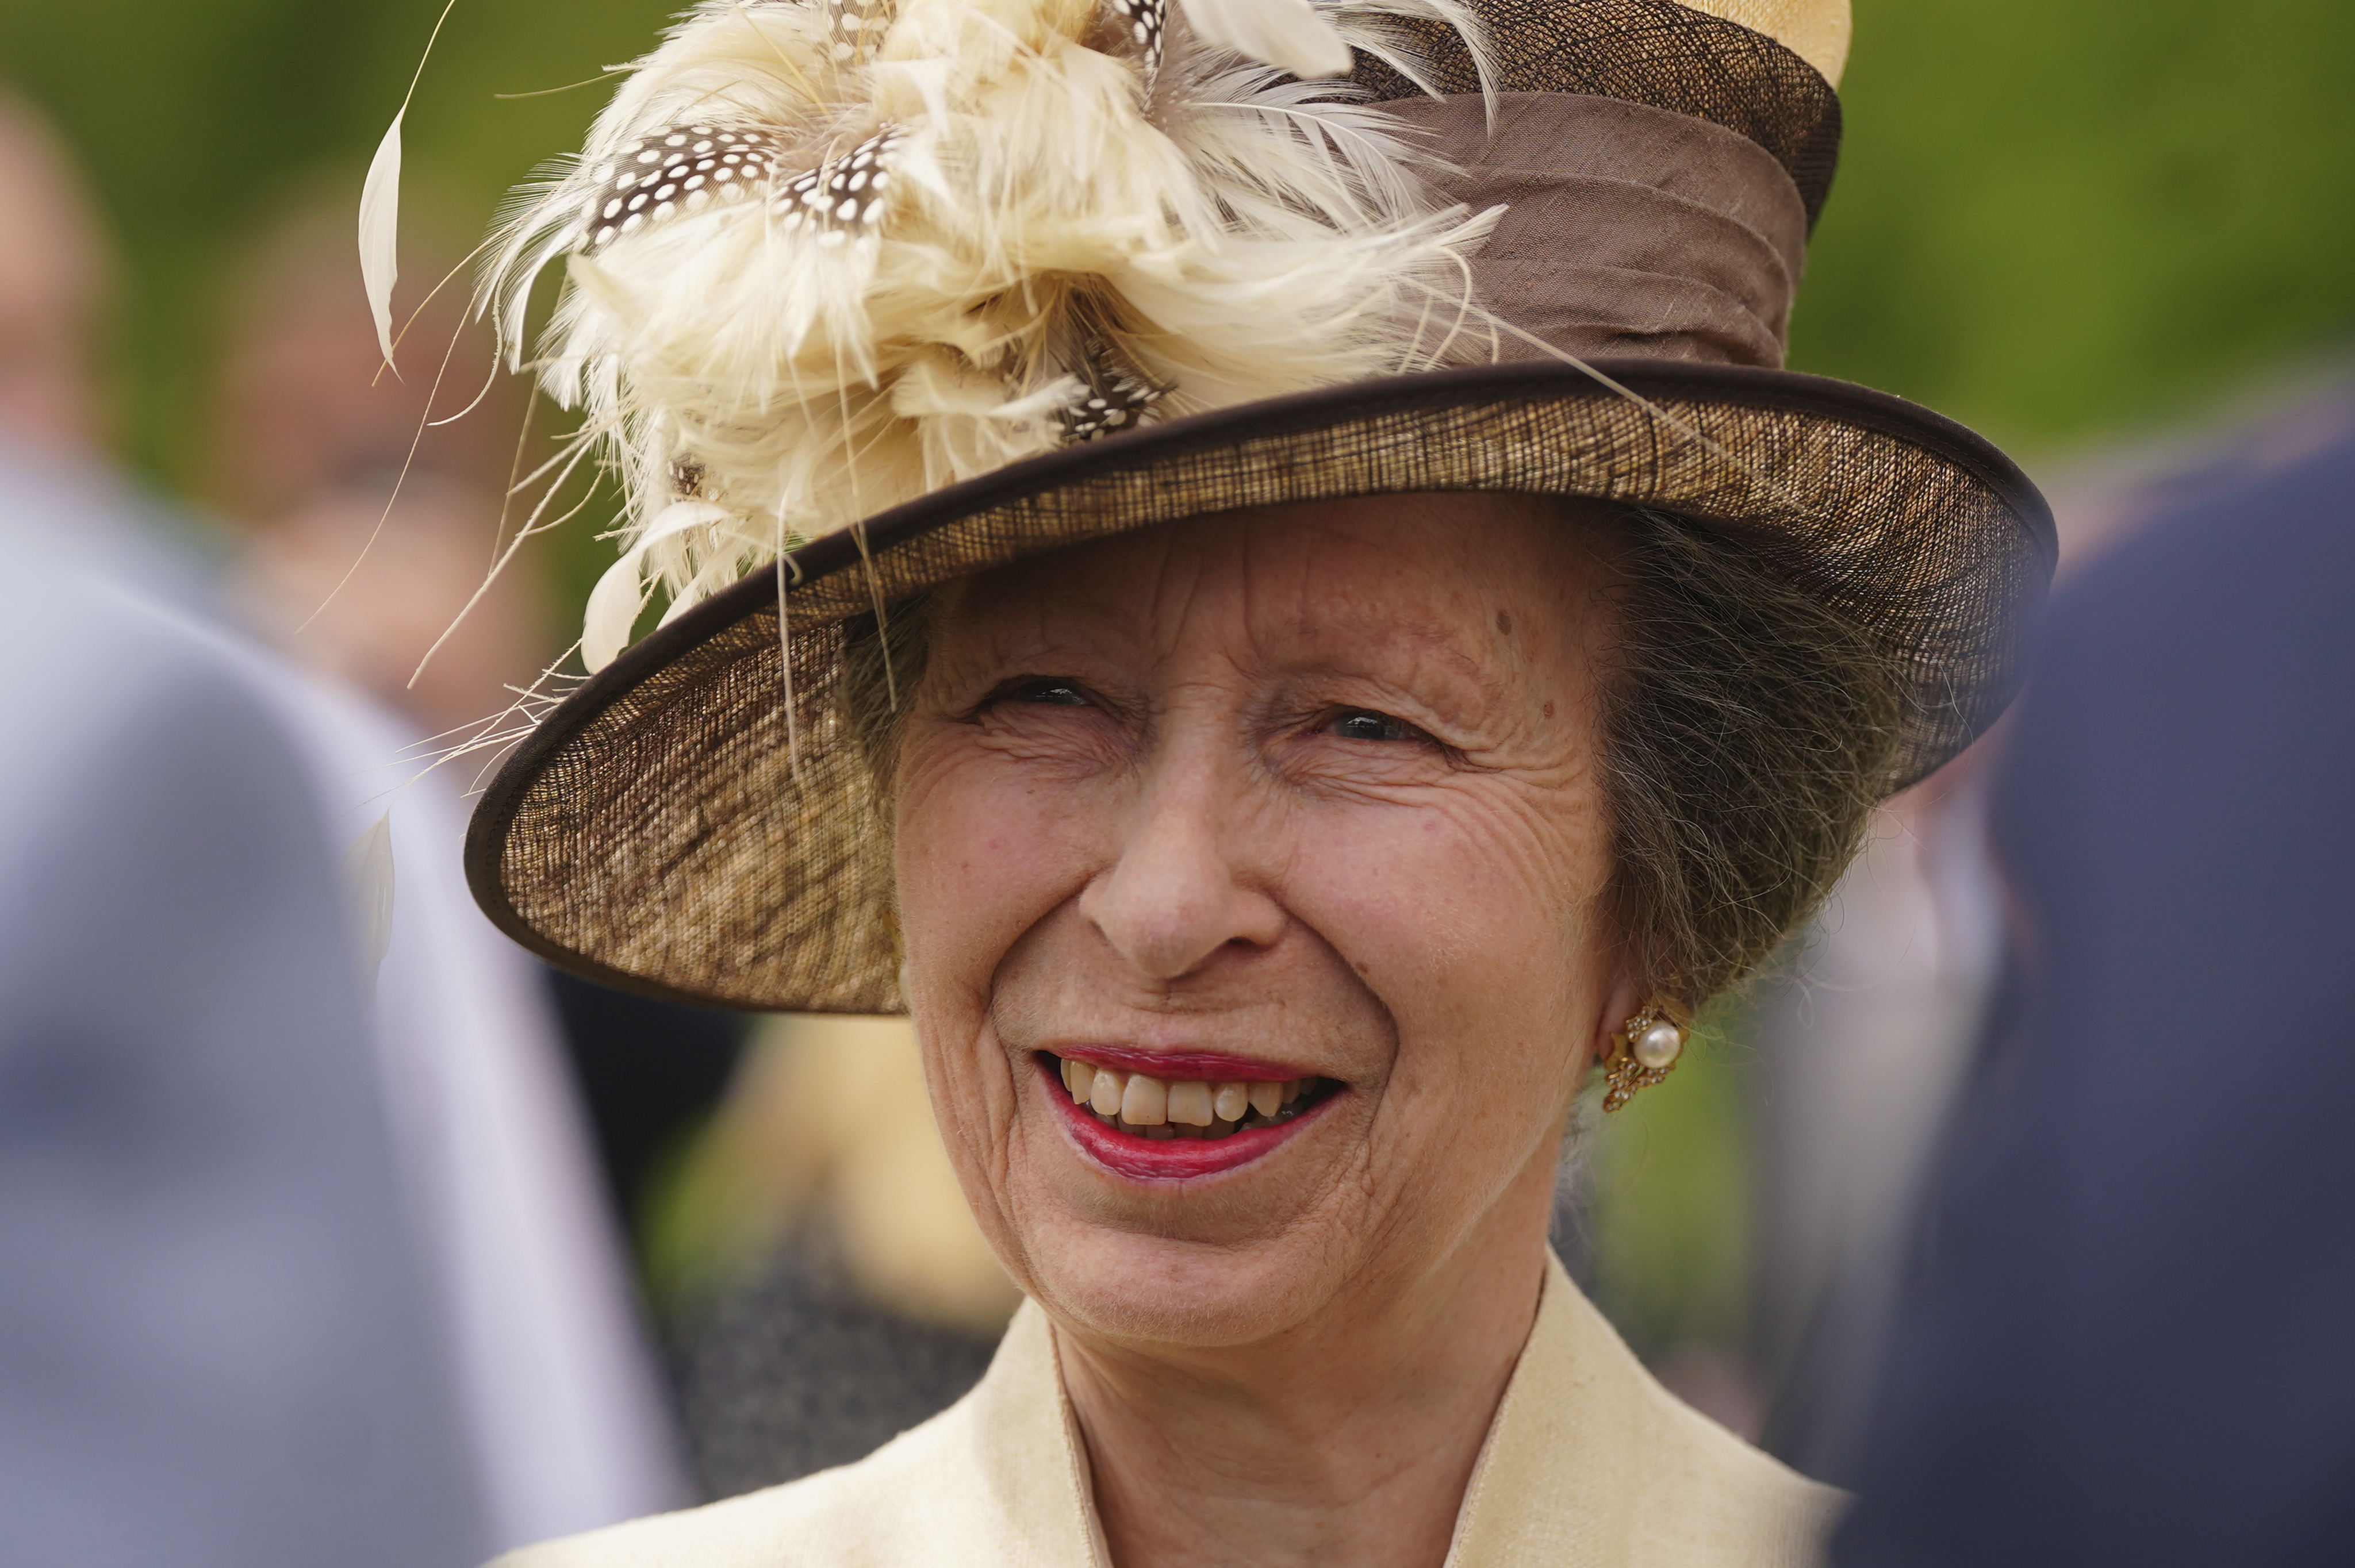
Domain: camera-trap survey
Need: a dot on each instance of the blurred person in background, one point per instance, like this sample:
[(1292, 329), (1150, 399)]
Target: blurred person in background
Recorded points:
[(1863, 1045), (352, 497), (302, 1247), (1859, 1044), (370, 526), (2126, 1342), (218, 1338), (368, 531), (830, 1288), (54, 275)]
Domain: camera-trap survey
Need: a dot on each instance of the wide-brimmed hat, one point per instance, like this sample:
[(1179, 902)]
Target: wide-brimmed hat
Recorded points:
[(697, 820)]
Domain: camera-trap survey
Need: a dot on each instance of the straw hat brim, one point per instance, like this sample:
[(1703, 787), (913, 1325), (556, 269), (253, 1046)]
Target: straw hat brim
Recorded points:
[(661, 832)]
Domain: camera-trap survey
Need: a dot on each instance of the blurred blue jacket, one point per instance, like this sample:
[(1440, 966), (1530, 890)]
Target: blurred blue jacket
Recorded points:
[(218, 1345), (2131, 1339)]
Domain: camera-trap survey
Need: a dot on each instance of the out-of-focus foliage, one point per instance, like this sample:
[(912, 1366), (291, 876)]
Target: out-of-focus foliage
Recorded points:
[(201, 122), (2058, 217), (2055, 217), (198, 120)]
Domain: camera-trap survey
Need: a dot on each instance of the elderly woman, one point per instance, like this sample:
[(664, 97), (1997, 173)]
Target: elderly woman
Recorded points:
[(1309, 619)]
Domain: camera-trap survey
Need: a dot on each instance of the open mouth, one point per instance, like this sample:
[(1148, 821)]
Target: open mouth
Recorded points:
[(1160, 1108), (1151, 1126)]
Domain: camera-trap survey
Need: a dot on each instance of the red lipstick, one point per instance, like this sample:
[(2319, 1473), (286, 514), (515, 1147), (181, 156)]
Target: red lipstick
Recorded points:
[(1183, 1066), (1165, 1160)]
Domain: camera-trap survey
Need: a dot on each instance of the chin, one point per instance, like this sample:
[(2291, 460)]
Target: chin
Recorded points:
[(1130, 1286), (1211, 1243)]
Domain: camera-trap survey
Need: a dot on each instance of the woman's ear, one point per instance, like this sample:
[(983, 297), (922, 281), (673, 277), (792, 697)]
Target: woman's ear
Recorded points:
[(1620, 1004)]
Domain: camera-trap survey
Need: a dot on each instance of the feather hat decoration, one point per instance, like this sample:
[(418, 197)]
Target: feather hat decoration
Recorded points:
[(868, 297), (826, 256)]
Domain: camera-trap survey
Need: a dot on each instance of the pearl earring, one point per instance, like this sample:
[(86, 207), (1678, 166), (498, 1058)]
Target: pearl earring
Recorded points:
[(1643, 1050)]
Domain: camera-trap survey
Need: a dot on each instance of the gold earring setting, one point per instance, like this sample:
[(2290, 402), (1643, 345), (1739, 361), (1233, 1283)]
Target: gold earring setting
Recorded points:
[(1646, 1047)]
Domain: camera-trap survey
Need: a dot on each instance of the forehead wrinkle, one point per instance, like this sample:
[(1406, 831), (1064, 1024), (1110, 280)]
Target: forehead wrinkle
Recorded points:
[(1263, 629), (1179, 580), (1308, 596), (1142, 607), (1293, 634)]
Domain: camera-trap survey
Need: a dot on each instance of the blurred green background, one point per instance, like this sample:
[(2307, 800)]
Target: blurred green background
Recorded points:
[(2057, 220)]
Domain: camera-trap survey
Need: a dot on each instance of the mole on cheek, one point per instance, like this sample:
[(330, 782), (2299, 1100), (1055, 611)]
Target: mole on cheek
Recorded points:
[(1549, 710), (1504, 623)]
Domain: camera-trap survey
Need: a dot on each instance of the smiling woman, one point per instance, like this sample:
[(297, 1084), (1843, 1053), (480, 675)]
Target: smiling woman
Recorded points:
[(1268, 808), (1227, 808), (1275, 750), (1290, 843)]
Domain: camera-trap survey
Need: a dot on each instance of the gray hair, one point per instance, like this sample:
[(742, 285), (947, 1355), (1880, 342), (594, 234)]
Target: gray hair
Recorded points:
[(1749, 730)]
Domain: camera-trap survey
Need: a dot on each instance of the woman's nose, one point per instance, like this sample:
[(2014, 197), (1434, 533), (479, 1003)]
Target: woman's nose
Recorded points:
[(1176, 897)]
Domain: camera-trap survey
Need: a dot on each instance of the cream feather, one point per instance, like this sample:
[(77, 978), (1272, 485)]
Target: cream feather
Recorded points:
[(380, 232), (379, 228), (1286, 34), (825, 258)]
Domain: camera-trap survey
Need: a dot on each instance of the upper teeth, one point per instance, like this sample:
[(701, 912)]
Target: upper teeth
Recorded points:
[(1159, 1108)]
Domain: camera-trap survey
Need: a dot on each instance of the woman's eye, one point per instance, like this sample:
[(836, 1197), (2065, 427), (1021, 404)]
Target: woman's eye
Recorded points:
[(1362, 723), (1050, 694)]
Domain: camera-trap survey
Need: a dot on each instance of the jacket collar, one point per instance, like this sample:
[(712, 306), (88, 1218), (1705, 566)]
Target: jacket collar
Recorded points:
[(1588, 1464)]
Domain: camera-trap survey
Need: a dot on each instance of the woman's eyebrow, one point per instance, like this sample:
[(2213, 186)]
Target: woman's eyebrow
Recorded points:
[(1075, 621), (1435, 648)]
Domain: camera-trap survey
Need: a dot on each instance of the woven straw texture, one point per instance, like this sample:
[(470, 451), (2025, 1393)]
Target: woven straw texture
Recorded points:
[(656, 832)]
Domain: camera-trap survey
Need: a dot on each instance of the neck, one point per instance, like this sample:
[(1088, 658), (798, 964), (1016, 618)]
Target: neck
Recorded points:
[(1350, 1440)]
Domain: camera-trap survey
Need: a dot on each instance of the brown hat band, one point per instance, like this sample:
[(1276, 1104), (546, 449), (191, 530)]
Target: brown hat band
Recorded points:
[(1631, 231)]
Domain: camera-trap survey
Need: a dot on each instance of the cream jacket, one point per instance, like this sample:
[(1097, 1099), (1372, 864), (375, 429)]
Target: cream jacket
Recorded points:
[(1590, 1464)]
